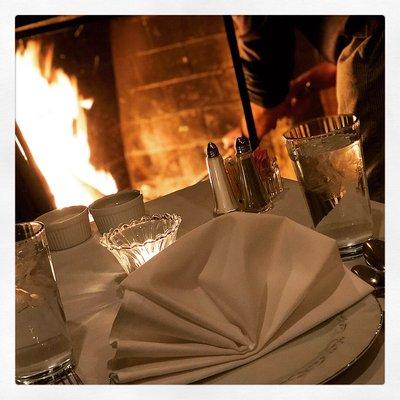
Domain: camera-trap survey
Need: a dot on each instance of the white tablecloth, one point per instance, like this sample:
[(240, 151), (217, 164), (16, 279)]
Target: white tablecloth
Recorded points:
[(88, 276)]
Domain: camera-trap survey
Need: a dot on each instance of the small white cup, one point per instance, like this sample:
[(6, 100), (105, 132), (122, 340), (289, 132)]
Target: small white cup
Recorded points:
[(121, 207), (66, 227)]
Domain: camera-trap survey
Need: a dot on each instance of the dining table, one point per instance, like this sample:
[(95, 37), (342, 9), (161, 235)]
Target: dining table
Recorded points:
[(88, 278)]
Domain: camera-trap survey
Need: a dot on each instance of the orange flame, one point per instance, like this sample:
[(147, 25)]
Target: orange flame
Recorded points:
[(50, 113)]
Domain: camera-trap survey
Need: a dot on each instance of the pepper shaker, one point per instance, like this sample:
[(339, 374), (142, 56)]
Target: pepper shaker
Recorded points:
[(255, 197)]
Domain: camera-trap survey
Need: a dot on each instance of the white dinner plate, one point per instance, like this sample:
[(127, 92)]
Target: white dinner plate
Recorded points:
[(316, 356)]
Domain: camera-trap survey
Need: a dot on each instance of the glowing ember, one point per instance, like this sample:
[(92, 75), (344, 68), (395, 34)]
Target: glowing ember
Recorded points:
[(50, 113)]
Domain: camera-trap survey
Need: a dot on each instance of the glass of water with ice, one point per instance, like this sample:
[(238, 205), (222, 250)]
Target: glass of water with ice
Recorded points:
[(328, 161), (43, 346)]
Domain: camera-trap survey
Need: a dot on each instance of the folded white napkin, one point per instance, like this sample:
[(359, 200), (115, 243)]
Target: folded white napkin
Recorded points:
[(225, 294)]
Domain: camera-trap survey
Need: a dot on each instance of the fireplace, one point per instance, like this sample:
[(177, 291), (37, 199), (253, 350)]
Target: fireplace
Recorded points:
[(115, 102)]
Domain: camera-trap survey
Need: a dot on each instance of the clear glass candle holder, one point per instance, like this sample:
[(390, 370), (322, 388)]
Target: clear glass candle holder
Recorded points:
[(136, 242)]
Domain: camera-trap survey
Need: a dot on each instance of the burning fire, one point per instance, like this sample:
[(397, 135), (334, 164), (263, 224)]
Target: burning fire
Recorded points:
[(51, 115)]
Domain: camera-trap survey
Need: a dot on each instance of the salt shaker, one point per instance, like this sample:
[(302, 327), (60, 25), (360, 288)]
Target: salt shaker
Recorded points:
[(224, 199), (255, 197)]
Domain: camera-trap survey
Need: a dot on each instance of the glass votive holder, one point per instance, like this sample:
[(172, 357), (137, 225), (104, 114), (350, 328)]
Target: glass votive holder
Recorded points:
[(136, 242)]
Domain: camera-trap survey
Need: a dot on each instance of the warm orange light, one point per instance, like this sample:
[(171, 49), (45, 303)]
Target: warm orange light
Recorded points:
[(50, 113)]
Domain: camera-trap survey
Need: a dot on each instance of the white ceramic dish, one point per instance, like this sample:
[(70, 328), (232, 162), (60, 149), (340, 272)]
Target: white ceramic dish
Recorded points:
[(118, 208), (66, 227), (318, 355)]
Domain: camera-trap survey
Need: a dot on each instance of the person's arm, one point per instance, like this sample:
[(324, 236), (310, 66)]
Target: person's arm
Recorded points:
[(296, 103), (266, 46)]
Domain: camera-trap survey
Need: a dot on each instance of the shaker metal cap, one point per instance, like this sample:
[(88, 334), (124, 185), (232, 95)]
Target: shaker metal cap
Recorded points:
[(242, 145), (212, 150)]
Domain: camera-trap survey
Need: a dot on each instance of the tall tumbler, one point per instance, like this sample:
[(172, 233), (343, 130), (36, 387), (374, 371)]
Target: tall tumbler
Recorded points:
[(43, 346), (328, 161)]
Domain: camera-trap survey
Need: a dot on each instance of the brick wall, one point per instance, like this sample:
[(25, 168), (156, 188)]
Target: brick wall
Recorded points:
[(176, 91)]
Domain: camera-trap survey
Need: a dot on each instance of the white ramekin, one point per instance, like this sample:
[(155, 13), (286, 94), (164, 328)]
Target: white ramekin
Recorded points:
[(115, 209), (66, 227)]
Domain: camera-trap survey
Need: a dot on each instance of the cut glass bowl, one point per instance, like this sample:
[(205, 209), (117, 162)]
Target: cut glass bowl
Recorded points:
[(136, 242)]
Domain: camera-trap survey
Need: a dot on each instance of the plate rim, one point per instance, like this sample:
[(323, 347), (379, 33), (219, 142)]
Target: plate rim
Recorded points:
[(374, 334), (378, 329)]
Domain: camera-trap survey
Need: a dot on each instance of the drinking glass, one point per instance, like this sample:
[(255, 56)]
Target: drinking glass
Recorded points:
[(328, 161), (43, 346)]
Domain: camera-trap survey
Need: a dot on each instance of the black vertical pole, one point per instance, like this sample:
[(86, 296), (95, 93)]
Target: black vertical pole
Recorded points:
[(241, 82)]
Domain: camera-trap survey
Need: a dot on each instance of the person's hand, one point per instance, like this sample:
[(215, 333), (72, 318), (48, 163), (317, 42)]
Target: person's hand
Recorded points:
[(229, 139), (296, 103), (264, 119), (300, 98), (322, 76)]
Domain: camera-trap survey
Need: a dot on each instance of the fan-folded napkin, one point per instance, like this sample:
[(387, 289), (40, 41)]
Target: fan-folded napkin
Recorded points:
[(225, 294)]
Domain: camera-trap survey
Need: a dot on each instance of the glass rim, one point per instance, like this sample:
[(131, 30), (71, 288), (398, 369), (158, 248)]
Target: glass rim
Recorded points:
[(345, 129), (34, 235), (105, 239)]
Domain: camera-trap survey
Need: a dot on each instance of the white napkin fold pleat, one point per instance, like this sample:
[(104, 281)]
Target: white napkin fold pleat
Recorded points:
[(225, 294)]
